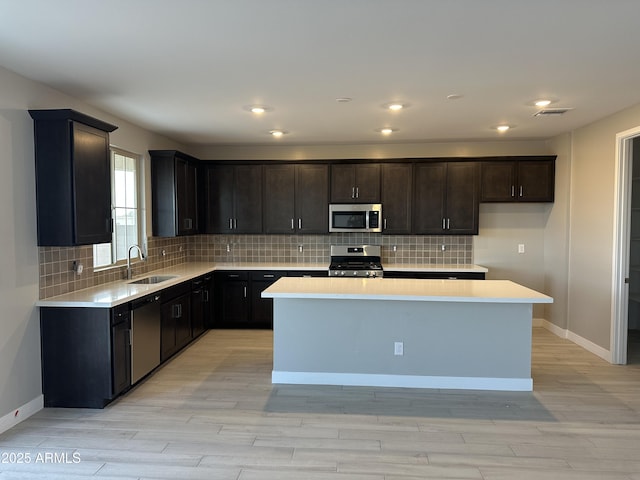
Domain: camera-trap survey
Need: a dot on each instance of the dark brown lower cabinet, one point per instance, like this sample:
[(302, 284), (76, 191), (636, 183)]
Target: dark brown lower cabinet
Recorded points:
[(86, 360), (262, 308), (175, 323), (238, 300), (231, 299), (120, 348)]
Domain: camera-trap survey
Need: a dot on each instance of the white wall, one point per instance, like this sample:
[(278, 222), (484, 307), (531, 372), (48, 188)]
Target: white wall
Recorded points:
[(20, 379), (591, 225), (557, 234), (377, 150), (504, 226)]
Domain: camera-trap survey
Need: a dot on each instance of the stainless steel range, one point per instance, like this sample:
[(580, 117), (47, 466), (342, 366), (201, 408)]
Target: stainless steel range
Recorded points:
[(355, 261)]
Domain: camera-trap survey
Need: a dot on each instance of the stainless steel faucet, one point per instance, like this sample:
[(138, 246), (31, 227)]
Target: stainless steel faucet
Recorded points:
[(129, 270)]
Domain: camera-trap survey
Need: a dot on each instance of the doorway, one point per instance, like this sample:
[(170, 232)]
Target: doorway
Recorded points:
[(625, 325)]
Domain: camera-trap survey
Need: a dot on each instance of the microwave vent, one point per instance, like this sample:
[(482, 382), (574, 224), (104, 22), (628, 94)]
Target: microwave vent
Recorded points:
[(551, 112)]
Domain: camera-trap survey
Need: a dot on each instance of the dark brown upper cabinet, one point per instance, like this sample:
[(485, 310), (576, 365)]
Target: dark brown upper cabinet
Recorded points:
[(355, 183), (174, 193), (518, 180), (445, 200), (234, 199), (397, 192), (296, 198), (73, 178)]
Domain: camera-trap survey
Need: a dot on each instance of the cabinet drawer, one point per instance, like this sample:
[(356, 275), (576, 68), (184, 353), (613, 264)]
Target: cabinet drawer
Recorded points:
[(269, 276), (231, 275), (436, 275), (308, 273)]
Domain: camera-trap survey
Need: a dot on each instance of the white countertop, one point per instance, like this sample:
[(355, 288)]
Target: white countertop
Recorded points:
[(116, 293), (404, 289)]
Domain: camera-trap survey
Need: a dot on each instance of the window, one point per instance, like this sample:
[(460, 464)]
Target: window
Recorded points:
[(124, 210)]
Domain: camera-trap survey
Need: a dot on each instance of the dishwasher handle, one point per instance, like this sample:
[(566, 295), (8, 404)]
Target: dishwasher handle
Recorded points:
[(141, 302)]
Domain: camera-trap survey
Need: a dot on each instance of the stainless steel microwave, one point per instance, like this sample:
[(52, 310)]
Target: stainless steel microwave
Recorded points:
[(359, 217)]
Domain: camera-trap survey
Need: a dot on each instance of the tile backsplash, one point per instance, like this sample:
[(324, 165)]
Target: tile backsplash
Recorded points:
[(315, 248), (56, 265), (58, 277)]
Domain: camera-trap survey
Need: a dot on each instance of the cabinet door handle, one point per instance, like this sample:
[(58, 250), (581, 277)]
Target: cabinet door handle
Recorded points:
[(292, 227), (385, 223), (448, 222), (176, 311), (357, 192), (443, 223), (235, 223), (206, 295), (513, 191), (245, 292), (188, 223), (231, 224), (233, 275), (268, 275), (521, 191), (353, 192), (299, 224)]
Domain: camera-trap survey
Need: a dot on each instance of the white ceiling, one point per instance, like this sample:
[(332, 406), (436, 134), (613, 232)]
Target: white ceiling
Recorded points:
[(186, 68)]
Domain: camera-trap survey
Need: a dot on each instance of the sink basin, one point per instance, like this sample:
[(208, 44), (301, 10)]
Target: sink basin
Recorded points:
[(154, 279)]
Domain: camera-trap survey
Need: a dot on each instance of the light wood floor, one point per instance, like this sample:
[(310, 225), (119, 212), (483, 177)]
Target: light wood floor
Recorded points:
[(212, 413)]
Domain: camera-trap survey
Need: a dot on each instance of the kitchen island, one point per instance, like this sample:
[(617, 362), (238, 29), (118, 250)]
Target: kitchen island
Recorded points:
[(448, 334)]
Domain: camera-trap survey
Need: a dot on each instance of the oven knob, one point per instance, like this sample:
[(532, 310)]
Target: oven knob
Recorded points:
[(367, 274), (355, 273), (342, 273)]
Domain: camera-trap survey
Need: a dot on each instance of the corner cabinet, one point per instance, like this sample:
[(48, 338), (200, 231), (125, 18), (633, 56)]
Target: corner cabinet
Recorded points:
[(296, 199), (445, 200), (518, 180), (174, 193), (73, 178)]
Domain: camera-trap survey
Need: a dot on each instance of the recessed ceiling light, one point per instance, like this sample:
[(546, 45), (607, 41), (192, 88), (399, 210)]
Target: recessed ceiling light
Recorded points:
[(278, 133), (503, 128), (541, 102), (386, 130), (395, 106), (258, 109), (454, 96), (343, 99)]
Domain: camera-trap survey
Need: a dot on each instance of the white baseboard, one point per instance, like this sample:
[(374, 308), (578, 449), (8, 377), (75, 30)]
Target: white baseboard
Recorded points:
[(404, 381), (575, 338), (13, 418)]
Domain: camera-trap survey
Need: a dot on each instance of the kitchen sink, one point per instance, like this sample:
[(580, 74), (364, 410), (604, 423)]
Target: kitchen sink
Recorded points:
[(154, 279)]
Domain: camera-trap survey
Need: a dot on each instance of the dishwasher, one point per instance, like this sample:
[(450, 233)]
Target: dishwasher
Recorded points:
[(145, 336)]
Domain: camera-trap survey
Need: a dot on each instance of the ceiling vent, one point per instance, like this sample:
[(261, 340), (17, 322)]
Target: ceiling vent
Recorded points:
[(551, 112)]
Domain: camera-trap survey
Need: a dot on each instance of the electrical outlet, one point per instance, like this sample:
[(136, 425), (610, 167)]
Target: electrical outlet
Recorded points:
[(398, 348), (521, 248)]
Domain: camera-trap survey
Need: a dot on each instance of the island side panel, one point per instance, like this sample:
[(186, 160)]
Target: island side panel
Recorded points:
[(352, 342)]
